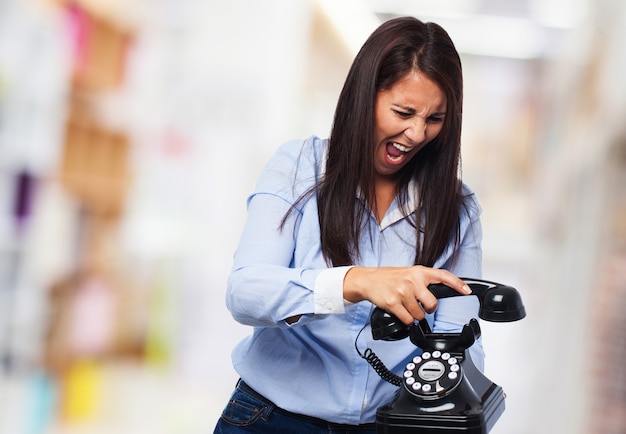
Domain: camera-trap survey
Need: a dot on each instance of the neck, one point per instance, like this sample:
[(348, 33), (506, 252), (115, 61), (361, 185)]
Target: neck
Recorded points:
[(385, 192)]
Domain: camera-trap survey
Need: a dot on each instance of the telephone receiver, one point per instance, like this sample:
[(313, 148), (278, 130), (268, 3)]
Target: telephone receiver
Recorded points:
[(441, 390), (498, 303)]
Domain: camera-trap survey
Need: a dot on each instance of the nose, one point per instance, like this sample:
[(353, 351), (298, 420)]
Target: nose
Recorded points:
[(416, 131)]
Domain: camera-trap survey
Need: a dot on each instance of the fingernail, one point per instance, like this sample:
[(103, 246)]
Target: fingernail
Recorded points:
[(467, 289)]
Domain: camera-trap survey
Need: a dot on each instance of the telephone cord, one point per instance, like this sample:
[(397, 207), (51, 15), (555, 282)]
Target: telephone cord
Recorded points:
[(378, 365)]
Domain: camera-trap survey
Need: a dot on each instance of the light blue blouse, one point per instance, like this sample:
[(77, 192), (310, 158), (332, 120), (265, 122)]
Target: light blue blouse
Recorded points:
[(312, 367)]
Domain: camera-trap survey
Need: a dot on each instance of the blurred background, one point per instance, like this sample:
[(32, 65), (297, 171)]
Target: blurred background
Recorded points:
[(132, 132)]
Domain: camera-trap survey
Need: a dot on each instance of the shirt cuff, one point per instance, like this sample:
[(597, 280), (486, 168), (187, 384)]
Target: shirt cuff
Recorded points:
[(328, 291)]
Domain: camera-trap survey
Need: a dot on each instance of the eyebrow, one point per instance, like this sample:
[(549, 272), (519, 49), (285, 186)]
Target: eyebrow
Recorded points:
[(413, 111)]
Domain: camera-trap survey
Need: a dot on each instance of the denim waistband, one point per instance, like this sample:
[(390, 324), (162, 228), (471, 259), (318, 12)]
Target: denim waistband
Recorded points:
[(241, 385)]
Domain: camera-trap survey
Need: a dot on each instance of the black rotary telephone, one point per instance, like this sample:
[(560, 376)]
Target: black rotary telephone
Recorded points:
[(442, 390)]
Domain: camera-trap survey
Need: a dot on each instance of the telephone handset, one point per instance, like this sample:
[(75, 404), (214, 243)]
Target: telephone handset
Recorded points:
[(441, 389)]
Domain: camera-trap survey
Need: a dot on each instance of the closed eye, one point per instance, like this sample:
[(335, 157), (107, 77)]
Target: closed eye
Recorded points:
[(436, 119), (403, 114)]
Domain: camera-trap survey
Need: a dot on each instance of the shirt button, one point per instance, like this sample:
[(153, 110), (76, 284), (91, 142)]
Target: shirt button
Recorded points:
[(329, 306)]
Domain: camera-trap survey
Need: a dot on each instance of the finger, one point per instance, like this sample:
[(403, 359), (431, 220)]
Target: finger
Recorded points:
[(449, 279), (396, 306), (429, 303), (416, 309), (406, 316), (427, 300)]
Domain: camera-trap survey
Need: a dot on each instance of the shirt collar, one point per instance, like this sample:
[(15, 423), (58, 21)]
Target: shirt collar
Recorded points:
[(395, 212)]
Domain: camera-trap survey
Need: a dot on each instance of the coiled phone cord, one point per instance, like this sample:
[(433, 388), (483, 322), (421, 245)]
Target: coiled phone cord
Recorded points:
[(378, 365)]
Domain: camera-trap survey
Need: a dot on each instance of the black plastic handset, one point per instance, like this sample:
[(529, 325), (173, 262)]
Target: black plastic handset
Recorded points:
[(498, 303)]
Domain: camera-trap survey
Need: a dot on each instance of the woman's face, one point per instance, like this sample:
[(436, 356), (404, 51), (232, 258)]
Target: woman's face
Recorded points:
[(408, 115)]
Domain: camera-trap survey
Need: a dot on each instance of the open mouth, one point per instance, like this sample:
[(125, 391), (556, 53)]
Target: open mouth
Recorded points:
[(396, 152)]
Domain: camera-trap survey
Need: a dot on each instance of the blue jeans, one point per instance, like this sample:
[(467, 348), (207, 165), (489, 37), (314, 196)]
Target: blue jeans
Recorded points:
[(249, 412)]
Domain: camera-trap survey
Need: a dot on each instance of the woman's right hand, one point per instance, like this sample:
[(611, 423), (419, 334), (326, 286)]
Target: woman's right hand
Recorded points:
[(401, 291)]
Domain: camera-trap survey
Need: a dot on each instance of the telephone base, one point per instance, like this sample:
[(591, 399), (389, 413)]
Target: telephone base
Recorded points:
[(405, 415)]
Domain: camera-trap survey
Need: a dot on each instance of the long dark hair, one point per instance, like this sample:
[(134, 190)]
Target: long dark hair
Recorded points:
[(395, 48)]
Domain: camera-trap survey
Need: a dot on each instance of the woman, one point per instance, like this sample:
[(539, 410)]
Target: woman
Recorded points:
[(369, 217)]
